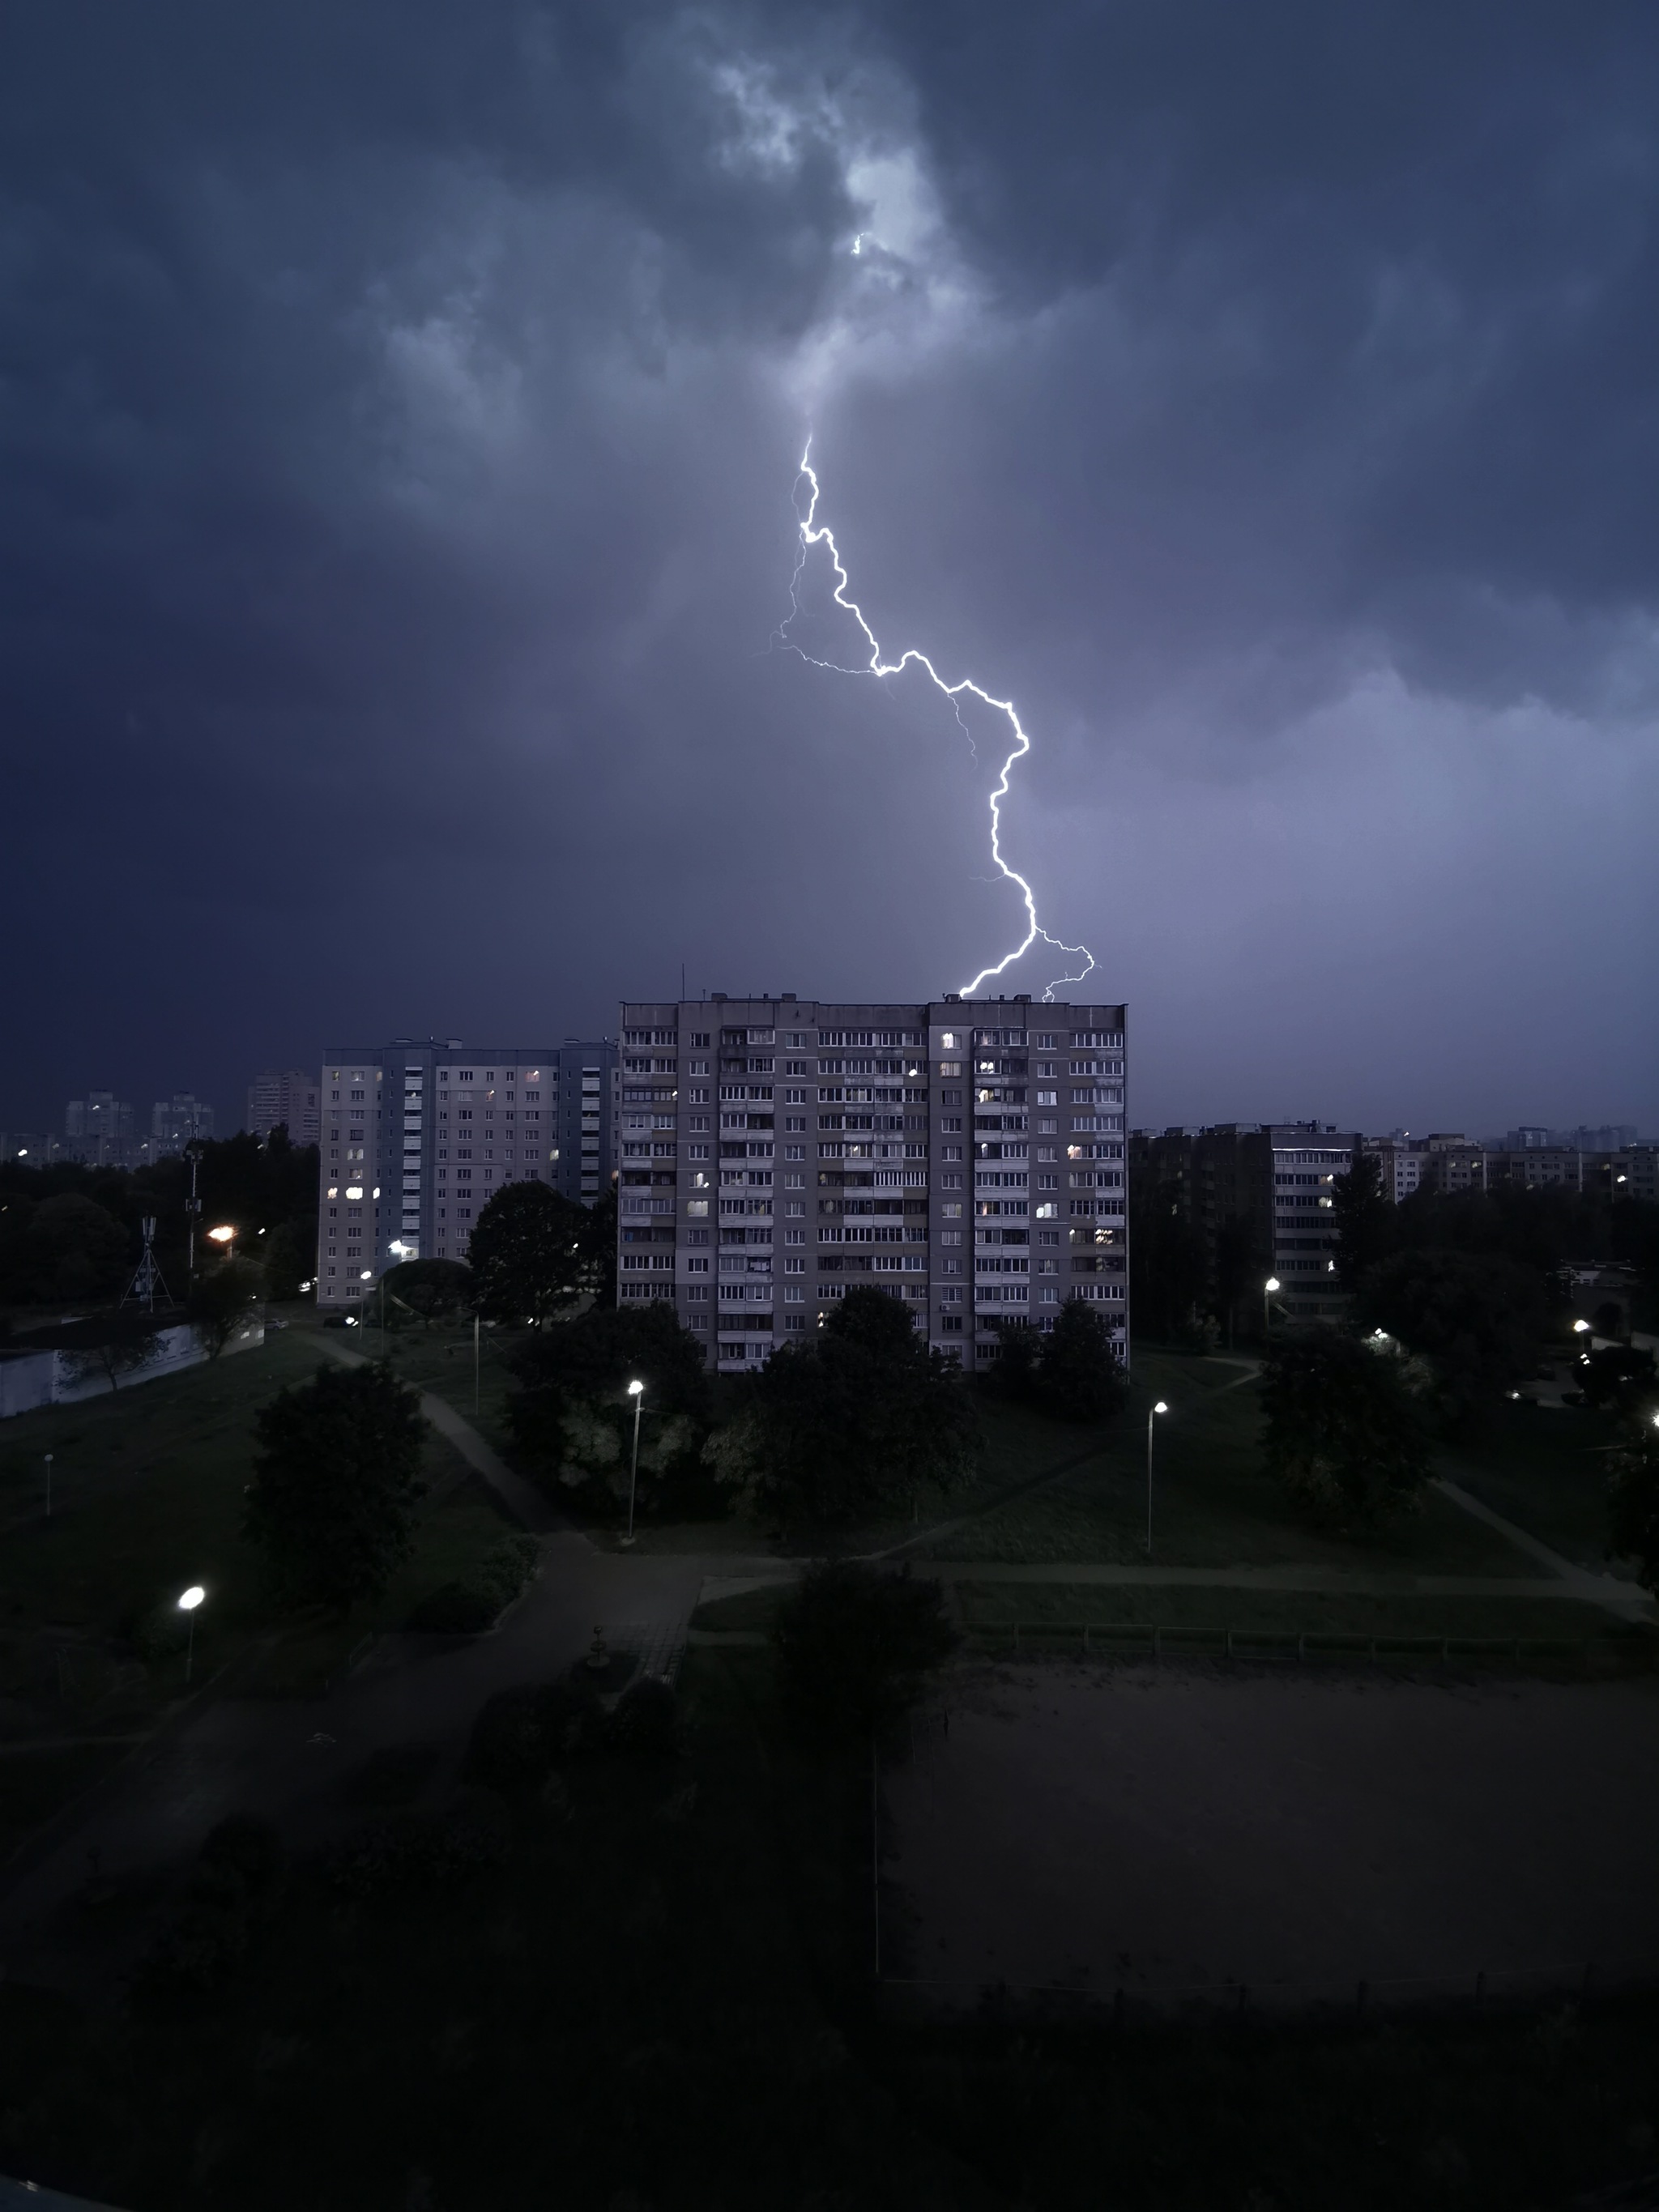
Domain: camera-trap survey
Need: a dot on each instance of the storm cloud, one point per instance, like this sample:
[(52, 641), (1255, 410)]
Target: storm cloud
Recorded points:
[(399, 409)]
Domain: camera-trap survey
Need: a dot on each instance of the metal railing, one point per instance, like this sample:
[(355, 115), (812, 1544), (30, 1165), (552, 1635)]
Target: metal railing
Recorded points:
[(1157, 1640)]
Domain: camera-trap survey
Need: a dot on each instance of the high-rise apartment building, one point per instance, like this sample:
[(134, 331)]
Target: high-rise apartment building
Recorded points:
[(177, 1122), (285, 1098), (99, 1130), (417, 1136), (965, 1156), (1258, 1197)]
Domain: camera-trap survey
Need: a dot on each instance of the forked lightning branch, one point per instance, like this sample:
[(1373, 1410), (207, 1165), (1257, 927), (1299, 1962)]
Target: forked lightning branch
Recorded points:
[(814, 533)]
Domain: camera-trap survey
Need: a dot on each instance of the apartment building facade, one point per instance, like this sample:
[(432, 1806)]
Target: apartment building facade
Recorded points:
[(1259, 1198), (419, 1134), (286, 1098), (965, 1156)]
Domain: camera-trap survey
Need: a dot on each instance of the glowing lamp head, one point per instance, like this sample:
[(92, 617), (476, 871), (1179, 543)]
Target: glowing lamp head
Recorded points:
[(191, 1598), (1581, 1327), (1160, 1407), (1272, 1283), (223, 1235), (637, 1390), (369, 1274)]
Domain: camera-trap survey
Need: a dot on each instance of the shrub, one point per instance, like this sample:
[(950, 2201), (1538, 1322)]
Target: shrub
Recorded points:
[(469, 1606), (415, 1854), (522, 1734), (856, 1645), (646, 1722), (238, 1881)]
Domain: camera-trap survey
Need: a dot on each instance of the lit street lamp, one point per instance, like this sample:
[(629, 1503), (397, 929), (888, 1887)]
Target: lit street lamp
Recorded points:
[(1581, 1328), (187, 1605), (1160, 1407), (1271, 1285), (637, 1392)]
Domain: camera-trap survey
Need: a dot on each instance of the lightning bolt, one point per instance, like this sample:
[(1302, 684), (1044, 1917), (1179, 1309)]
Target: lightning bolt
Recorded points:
[(814, 533)]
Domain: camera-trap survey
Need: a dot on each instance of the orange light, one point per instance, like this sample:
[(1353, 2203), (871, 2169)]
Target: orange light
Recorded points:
[(222, 1236)]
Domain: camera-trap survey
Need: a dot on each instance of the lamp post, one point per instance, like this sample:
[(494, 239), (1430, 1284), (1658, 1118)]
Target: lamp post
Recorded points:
[(48, 1486), (475, 1366), (1271, 1285), (187, 1604), (637, 1392), (1160, 1407)]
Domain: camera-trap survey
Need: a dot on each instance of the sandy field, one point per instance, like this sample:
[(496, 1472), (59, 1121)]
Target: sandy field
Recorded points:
[(1170, 1829)]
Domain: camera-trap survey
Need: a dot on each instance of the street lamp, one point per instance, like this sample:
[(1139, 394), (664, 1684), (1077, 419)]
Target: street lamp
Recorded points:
[(187, 1604), (1160, 1407), (1271, 1285), (637, 1392), (1581, 1328), (223, 1237)]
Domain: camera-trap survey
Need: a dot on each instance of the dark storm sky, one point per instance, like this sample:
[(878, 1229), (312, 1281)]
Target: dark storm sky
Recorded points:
[(398, 412)]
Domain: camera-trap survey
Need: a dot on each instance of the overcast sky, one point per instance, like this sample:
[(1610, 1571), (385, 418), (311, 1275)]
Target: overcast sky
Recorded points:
[(399, 412)]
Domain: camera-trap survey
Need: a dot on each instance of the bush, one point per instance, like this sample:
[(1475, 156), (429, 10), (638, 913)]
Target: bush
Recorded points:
[(1079, 1376), (856, 1646), (520, 1735), (469, 1606), (238, 1881), (646, 1722), (161, 1633), (415, 1855)]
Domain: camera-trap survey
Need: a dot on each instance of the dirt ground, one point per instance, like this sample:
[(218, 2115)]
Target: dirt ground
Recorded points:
[(1169, 1831)]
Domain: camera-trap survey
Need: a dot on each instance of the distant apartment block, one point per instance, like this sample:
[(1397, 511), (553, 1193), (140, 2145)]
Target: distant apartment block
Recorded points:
[(30, 1148), (285, 1098), (417, 1136), (965, 1157), (98, 1130), (177, 1122), (1259, 1197), (1450, 1162), (1609, 1137)]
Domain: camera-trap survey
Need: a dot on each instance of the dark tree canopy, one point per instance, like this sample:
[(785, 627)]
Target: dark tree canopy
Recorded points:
[(432, 1290), (1620, 1377), (62, 1248), (1078, 1376), (332, 1504), (598, 1354), (1345, 1433), (1478, 1317), (223, 1294), (530, 1254), (858, 1418), (1364, 1216), (856, 1645)]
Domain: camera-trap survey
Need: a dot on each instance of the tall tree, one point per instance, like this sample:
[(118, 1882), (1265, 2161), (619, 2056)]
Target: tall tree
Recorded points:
[(856, 1419), (336, 1479), (529, 1253), (855, 1645), (1079, 1376), (1345, 1431), (432, 1290), (220, 1298), (1364, 1217), (1478, 1317)]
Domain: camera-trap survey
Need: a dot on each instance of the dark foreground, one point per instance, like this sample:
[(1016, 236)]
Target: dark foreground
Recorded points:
[(646, 1987)]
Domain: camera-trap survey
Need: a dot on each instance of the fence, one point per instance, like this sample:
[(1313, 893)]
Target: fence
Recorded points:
[(1103, 1639), (32, 1379)]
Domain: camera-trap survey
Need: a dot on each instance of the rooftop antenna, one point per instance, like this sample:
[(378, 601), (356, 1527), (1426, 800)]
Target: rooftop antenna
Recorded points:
[(148, 1281)]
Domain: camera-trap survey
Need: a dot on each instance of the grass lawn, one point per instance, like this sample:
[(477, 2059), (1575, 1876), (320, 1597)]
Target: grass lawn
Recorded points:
[(1544, 1469), (1214, 1504), (147, 1497)]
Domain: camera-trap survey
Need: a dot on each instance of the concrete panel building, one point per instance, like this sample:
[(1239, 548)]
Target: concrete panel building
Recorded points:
[(965, 1156), (418, 1135), (285, 1098)]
